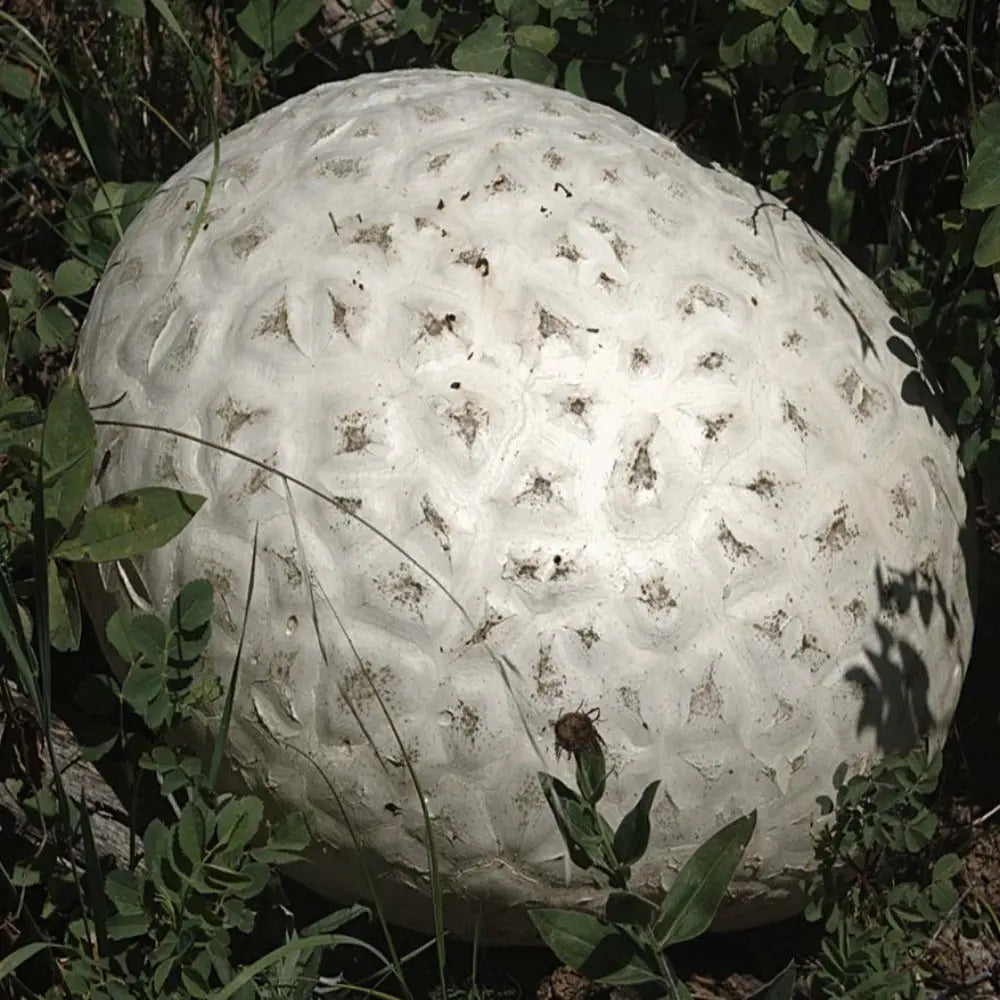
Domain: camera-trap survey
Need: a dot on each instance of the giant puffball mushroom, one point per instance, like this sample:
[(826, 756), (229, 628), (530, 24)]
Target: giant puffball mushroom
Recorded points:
[(672, 454)]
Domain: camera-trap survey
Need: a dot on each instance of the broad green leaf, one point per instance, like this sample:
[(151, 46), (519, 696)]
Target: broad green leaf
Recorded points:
[(485, 50), (68, 443), (986, 125), (860, 4), (949, 9), (18, 81), (142, 686), (987, 252), (271, 24), (73, 277), (64, 610), (839, 78), (537, 37), (592, 948), (131, 524), (733, 39), (124, 889), (632, 835), (130, 8), (871, 99), (4, 318), (800, 33), (257, 876), (982, 179), (192, 608), (191, 832), (25, 288), (570, 10), (521, 12), (238, 821), (780, 988), (910, 17), (55, 328), (694, 896), (772, 8), (147, 636), (531, 65), (122, 926), (762, 45), (628, 908), (413, 18)]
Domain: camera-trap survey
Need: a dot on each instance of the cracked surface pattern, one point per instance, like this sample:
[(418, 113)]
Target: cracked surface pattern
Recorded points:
[(668, 448)]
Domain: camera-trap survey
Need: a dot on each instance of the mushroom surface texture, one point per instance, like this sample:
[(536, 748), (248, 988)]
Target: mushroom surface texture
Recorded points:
[(626, 423)]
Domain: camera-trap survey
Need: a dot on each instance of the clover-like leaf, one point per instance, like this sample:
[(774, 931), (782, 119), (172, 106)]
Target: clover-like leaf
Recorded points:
[(485, 50)]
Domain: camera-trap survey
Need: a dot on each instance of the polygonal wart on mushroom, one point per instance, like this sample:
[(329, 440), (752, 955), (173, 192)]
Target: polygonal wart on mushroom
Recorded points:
[(652, 439)]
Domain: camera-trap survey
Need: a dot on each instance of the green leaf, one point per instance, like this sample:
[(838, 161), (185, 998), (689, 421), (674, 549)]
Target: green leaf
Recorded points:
[(987, 252), (517, 11), (191, 832), (413, 18), (982, 178), (64, 609), (772, 8), (575, 821), (570, 10), (531, 65), (949, 9), (122, 926), (592, 948), (632, 835), (910, 18), (18, 81), (762, 45), (485, 50), (238, 822), (73, 277), (839, 78), (986, 125), (694, 896), (800, 33), (136, 637), (55, 328), (780, 988), (124, 889), (628, 908), (271, 24), (130, 8), (69, 440), (871, 99), (537, 37), (25, 288), (192, 607), (131, 524)]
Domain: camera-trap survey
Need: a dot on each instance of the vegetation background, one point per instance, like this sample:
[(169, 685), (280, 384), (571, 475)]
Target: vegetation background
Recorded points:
[(876, 120)]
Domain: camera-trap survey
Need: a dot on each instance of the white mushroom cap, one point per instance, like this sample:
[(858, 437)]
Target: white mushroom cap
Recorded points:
[(669, 449)]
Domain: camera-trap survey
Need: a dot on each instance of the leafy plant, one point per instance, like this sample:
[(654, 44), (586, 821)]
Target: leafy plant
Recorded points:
[(882, 890), (627, 945), (59, 444)]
